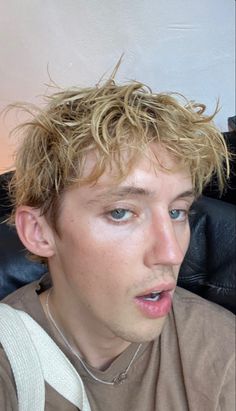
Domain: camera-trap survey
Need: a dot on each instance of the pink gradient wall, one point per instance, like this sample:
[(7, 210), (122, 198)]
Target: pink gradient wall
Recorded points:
[(6, 151), (168, 45)]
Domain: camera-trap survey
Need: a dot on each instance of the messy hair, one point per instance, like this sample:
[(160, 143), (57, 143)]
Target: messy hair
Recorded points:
[(110, 120)]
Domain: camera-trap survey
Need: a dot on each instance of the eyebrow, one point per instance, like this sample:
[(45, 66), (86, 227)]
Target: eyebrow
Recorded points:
[(134, 191)]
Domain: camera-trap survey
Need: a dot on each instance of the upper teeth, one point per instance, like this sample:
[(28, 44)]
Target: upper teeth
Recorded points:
[(154, 296)]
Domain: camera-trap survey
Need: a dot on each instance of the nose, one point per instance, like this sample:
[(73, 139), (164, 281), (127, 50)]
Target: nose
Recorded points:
[(167, 242)]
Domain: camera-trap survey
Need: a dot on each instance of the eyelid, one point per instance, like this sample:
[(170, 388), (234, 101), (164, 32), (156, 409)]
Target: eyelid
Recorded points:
[(183, 204), (120, 206)]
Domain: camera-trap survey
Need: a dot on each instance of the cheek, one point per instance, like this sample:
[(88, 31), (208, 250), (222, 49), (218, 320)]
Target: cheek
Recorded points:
[(183, 236), (185, 239), (108, 242), (94, 251)]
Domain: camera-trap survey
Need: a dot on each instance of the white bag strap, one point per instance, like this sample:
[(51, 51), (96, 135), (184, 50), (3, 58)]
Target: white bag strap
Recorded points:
[(57, 369), (52, 363), (24, 360)]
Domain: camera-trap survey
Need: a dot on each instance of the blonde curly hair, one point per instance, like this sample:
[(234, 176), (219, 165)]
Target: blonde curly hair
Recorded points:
[(111, 120)]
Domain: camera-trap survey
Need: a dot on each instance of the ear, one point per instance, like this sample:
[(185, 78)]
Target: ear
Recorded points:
[(34, 231)]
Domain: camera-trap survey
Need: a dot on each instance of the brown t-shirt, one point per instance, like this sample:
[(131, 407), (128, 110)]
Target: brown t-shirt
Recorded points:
[(191, 366)]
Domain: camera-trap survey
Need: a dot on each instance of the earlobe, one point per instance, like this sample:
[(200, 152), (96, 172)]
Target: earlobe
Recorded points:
[(34, 231)]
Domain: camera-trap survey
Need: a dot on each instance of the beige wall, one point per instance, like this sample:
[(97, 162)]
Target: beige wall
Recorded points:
[(5, 157), (8, 140), (182, 45)]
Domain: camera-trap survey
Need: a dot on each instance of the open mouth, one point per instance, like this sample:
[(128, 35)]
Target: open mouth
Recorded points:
[(153, 296), (155, 303)]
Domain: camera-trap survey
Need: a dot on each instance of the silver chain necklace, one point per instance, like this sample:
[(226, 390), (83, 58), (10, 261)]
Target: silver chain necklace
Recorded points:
[(119, 379)]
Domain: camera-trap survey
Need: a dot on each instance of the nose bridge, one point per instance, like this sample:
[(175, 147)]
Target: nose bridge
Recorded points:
[(165, 244)]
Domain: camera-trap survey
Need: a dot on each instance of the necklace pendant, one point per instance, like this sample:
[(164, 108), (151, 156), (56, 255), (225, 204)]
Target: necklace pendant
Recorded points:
[(120, 378)]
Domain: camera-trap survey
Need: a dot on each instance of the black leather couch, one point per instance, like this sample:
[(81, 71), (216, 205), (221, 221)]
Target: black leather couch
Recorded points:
[(209, 268)]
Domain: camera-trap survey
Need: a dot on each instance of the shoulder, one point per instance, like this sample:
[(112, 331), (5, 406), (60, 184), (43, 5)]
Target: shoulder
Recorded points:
[(205, 325), (185, 302), (26, 297), (205, 337)]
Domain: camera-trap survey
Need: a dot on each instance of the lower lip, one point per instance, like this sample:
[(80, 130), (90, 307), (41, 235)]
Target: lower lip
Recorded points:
[(155, 309)]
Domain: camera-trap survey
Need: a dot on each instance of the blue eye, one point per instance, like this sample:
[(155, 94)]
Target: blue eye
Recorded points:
[(120, 214), (179, 215)]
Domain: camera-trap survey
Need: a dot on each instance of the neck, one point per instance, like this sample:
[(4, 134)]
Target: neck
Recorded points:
[(97, 350)]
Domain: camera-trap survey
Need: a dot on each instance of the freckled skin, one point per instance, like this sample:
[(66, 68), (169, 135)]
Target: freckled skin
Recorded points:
[(102, 259)]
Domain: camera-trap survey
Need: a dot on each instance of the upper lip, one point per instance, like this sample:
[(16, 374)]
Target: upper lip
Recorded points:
[(158, 288)]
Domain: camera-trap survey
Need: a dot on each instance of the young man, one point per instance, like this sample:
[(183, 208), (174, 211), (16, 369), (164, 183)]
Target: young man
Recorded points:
[(104, 182)]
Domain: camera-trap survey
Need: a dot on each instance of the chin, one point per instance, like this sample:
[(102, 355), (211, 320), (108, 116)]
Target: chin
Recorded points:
[(145, 333)]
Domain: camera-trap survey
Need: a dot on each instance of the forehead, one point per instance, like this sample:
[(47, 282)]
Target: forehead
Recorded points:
[(155, 158), (155, 172)]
